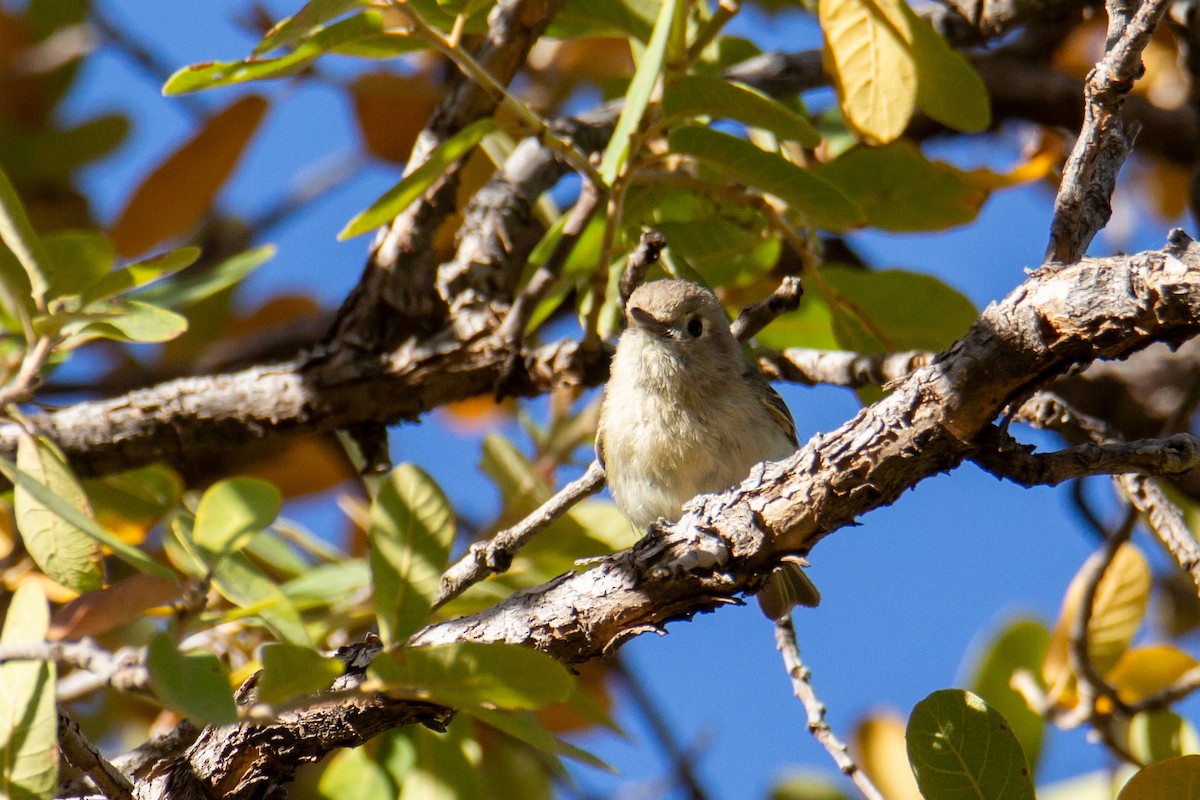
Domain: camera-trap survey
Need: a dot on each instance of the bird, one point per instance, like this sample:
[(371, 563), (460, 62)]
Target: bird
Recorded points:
[(685, 413)]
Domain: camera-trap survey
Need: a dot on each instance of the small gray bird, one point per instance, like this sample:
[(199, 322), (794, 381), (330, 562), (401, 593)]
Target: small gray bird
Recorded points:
[(684, 414)]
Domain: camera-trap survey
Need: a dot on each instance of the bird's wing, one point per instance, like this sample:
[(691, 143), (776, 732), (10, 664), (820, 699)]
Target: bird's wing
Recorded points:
[(777, 408), (600, 441)]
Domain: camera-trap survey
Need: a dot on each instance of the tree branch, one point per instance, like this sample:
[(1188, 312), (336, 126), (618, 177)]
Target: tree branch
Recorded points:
[(1004, 457)]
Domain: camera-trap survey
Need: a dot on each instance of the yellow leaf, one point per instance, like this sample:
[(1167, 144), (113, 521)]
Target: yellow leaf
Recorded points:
[(1120, 605), (1145, 670), (868, 54), (880, 750)]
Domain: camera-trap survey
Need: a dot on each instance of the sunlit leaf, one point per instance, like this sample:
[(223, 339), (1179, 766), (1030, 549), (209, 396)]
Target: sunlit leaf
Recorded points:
[(807, 786), (412, 529), (233, 509), (888, 310), (1143, 671), (879, 748), (39, 492), (961, 748), (289, 671), (189, 288), (173, 198), (28, 716), (637, 96), (1019, 645), (696, 95), (138, 274), (195, 684), (414, 184), (898, 189), (803, 191), (123, 320), (1166, 780), (211, 75), (471, 674), (242, 583), (1120, 604), (868, 56), (607, 18), (353, 773), (75, 259), (1159, 735), (948, 88), (18, 235), (311, 15), (524, 726), (61, 550)]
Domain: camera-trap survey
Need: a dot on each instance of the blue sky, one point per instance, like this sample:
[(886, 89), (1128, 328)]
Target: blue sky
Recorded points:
[(907, 596)]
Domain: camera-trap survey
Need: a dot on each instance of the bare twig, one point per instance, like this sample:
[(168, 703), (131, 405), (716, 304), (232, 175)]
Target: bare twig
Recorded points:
[(84, 756), (1165, 519), (756, 316), (839, 367), (495, 555), (785, 642), (123, 670), (1082, 207), (1004, 457), (640, 260), (20, 388)]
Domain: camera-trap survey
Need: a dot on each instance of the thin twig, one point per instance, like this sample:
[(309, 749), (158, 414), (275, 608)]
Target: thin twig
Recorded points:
[(649, 248), (495, 555), (20, 388), (725, 11), (840, 367), (85, 757), (680, 759), (473, 70), (1082, 206), (1004, 457), (756, 316), (123, 670), (785, 642)]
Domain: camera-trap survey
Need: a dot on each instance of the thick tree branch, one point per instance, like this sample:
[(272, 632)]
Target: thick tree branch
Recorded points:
[(1102, 308)]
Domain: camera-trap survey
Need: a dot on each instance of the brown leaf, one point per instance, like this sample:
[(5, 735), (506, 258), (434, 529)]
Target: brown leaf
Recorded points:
[(179, 192), (391, 110), (96, 612)]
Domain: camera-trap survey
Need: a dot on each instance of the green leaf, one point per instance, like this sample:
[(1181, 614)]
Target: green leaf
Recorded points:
[(188, 289), (1166, 780), (446, 765), (804, 191), (888, 311), (18, 234), (412, 529), (28, 716), (127, 553), (948, 88), (15, 294), (61, 550), (140, 273), (806, 786), (696, 95), (1020, 645), (1159, 735), (289, 671), (196, 684), (466, 674), (326, 583), (524, 726), (43, 155), (122, 320), (76, 259), (604, 18), (898, 189), (211, 75), (637, 97), (310, 16), (242, 583), (810, 326), (414, 184), (961, 748), (353, 773), (233, 509)]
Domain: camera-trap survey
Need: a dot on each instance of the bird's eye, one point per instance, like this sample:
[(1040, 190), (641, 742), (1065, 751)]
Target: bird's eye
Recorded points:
[(695, 327)]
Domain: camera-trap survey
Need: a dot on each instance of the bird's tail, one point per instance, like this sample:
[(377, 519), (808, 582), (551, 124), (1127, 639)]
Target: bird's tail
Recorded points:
[(789, 586)]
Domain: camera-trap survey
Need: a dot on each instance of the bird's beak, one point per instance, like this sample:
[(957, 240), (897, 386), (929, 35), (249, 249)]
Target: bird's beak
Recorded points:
[(645, 320)]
